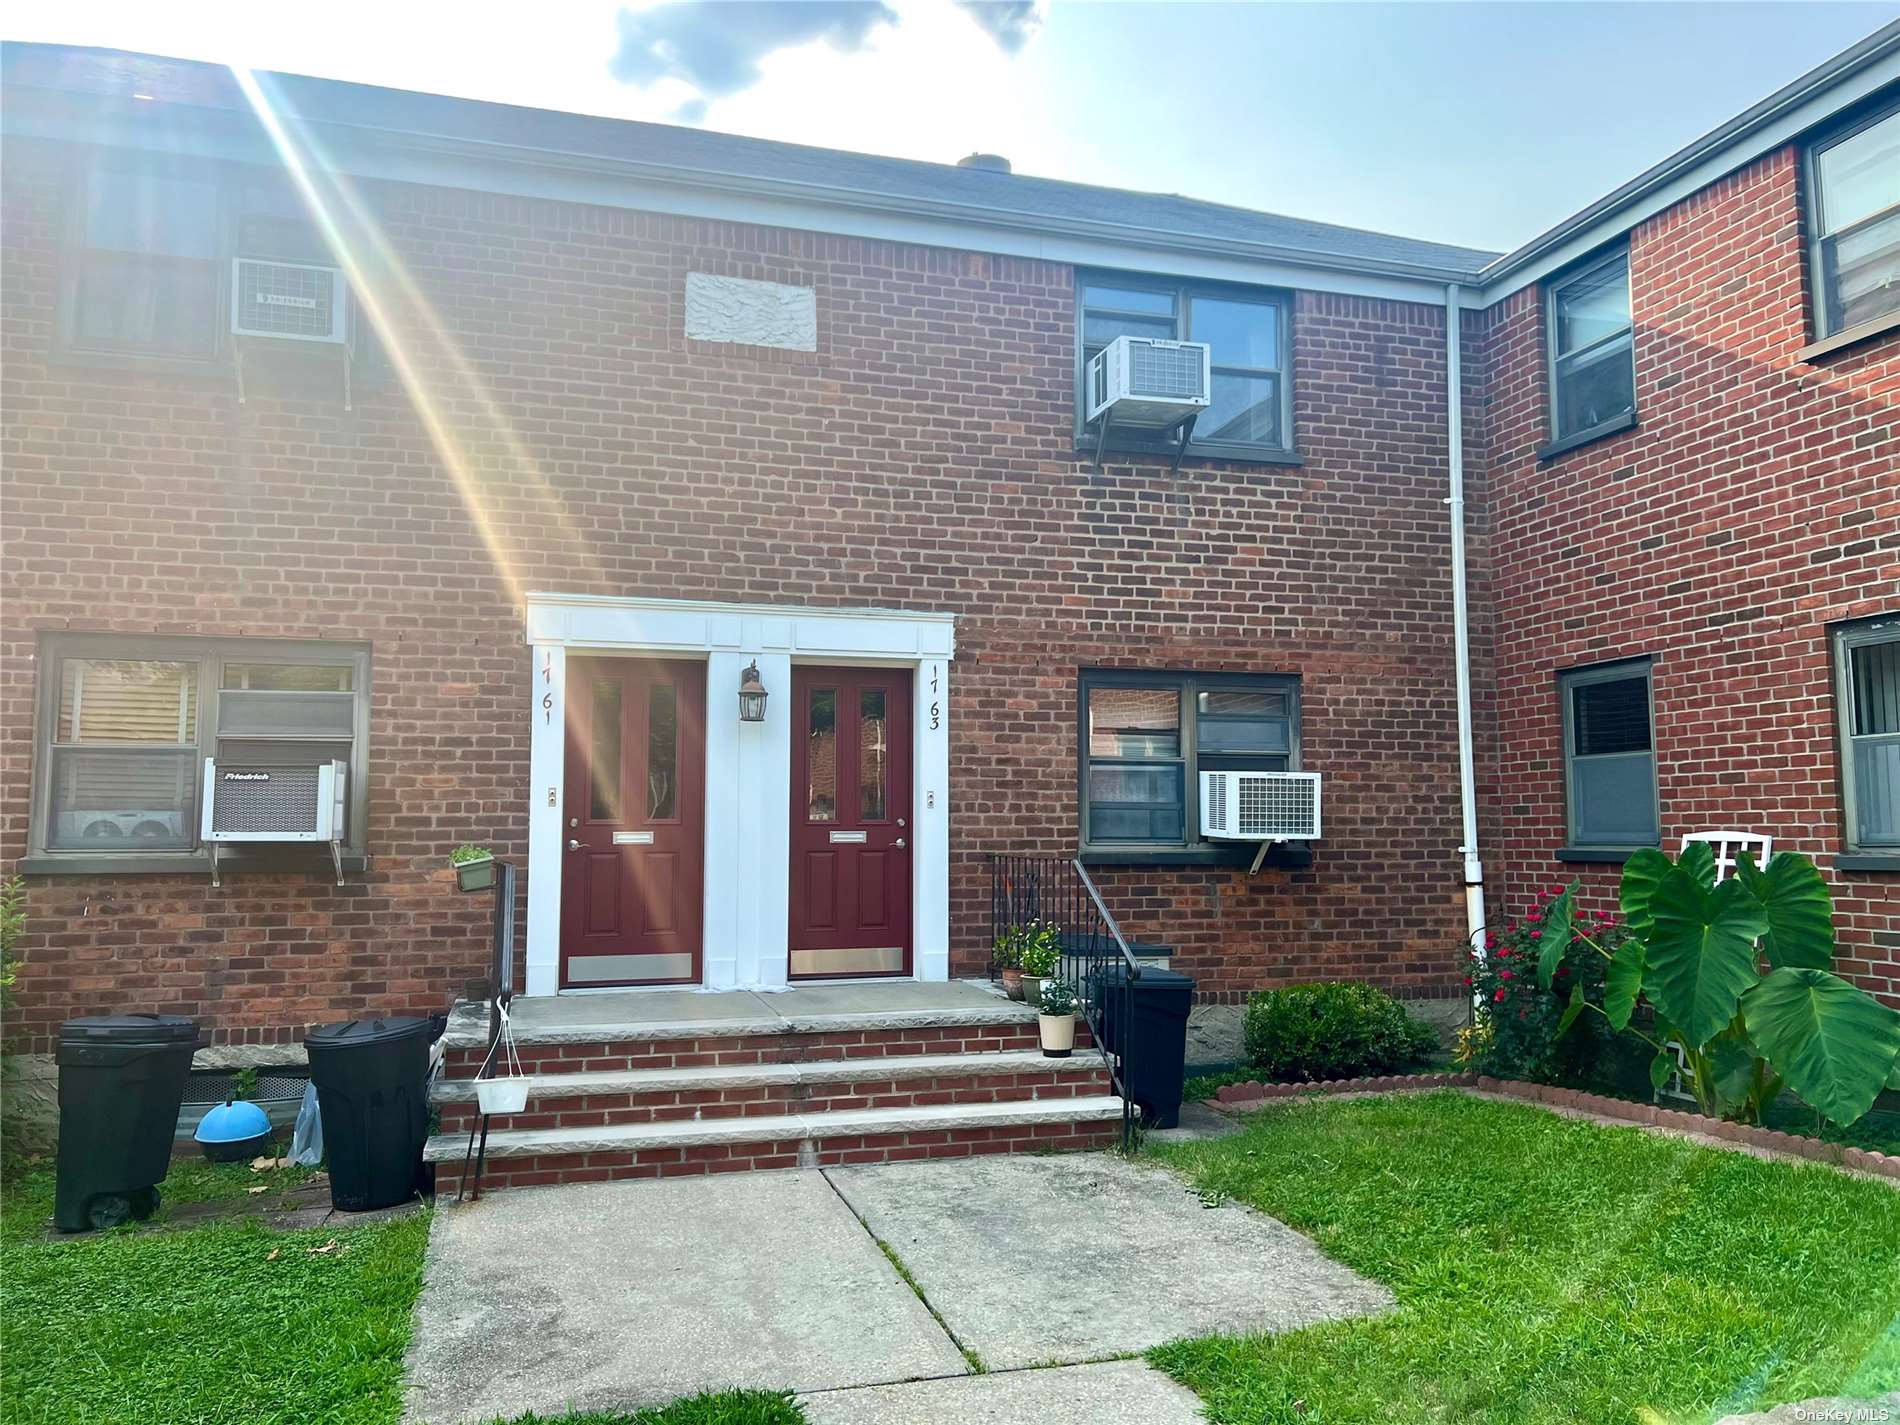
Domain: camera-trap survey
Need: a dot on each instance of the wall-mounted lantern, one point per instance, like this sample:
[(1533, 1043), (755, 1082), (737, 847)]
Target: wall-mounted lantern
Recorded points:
[(752, 695)]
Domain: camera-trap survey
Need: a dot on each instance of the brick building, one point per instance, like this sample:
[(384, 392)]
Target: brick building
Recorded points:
[(626, 410)]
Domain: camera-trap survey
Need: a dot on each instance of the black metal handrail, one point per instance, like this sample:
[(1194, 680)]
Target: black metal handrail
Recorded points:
[(1095, 955), (501, 990)]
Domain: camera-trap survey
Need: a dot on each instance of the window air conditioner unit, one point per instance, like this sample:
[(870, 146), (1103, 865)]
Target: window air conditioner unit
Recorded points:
[(1260, 806), (289, 301), (1139, 383), (256, 801)]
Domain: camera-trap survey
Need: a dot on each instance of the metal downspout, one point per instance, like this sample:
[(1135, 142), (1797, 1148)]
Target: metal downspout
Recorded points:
[(1461, 620)]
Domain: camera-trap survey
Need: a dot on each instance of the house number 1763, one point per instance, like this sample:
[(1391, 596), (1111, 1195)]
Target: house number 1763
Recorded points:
[(936, 708)]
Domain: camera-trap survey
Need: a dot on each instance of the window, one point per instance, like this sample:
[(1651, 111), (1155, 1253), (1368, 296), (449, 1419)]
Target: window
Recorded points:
[(1867, 697), (1145, 736), (1854, 224), (1609, 758), (126, 723), (152, 240), (1592, 356), (1247, 329)]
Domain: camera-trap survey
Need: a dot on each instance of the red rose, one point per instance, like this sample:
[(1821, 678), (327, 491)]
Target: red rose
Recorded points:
[(1537, 935), (1504, 974), (1498, 998)]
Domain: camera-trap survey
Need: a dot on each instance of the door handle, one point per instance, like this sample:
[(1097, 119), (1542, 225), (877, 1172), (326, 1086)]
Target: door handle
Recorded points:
[(899, 843), (573, 846)]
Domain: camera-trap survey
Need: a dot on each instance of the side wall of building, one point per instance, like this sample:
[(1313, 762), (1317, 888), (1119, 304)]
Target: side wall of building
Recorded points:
[(1756, 503)]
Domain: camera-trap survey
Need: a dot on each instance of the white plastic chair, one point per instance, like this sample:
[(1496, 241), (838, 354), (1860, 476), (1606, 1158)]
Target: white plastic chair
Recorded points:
[(1728, 844)]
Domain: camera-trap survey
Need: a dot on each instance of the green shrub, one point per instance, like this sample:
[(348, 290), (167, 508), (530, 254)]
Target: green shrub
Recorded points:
[(1339, 1029)]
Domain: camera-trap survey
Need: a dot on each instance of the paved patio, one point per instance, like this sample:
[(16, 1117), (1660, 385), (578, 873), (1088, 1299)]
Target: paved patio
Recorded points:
[(627, 1294)]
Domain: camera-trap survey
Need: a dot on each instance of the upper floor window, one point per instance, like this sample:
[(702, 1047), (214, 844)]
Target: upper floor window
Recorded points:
[(125, 725), (1867, 700), (151, 244), (1609, 758), (1147, 736), (1592, 352), (1247, 330), (1854, 224)]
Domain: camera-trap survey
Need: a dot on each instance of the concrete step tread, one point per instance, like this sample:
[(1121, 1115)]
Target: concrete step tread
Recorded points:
[(819, 1071), (468, 1026), (842, 1123)]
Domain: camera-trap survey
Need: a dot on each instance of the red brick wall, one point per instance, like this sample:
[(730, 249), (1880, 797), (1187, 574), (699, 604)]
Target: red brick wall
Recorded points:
[(921, 457), (1758, 500)]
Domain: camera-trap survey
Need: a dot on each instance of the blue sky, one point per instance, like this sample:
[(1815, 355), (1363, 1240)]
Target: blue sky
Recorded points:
[(1480, 124)]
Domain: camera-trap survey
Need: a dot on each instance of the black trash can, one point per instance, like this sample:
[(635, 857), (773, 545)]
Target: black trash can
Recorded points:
[(121, 1081), (371, 1077), (1156, 1062)]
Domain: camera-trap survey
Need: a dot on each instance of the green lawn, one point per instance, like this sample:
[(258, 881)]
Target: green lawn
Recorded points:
[(153, 1327), (1548, 1269)]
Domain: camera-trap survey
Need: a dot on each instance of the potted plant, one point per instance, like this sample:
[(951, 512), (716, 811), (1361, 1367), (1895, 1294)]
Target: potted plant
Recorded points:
[(1009, 960), (474, 868), (1055, 1018), (1040, 949)]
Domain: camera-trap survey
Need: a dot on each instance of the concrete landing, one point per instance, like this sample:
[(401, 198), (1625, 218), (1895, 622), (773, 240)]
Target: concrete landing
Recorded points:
[(632, 1014)]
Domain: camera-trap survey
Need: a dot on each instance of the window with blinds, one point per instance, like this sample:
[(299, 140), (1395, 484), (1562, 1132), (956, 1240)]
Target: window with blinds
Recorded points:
[(1609, 757), (1867, 663), (127, 723)]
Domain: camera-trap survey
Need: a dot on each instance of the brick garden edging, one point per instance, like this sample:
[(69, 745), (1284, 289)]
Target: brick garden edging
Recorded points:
[(1642, 1115)]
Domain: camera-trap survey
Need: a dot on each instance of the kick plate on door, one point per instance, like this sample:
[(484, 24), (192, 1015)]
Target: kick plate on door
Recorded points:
[(838, 836), (633, 838)]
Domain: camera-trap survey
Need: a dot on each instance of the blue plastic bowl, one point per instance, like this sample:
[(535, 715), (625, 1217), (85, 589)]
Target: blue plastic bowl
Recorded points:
[(232, 1131)]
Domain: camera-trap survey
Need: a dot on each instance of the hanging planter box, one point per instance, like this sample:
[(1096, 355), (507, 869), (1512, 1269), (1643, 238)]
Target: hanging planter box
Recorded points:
[(508, 1095), (476, 875)]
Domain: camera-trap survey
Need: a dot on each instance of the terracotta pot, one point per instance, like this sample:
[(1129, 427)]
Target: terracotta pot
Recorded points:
[(1058, 1035), (1013, 982)]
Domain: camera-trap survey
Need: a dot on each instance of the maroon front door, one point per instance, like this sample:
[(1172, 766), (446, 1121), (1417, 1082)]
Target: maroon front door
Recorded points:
[(851, 822), (633, 876)]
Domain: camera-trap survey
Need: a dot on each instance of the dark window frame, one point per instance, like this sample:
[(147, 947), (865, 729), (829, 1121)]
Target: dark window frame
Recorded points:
[(1184, 291), (231, 180), (1843, 638), (1192, 849), (1554, 363), (210, 654), (1811, 205), (1568, 679)]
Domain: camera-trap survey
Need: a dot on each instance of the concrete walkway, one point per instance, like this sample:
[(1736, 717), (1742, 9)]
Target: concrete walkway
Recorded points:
[(1112, 1393), (606, 1296)]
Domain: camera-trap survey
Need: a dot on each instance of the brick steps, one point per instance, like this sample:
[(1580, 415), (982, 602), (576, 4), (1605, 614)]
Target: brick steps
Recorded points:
[(526, 1157), (592, 1099), (651, 1097)]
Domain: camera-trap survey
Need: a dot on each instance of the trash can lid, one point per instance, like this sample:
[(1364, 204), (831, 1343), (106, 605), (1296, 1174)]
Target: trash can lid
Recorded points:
[(1153, 978), (130, 1029), (356, 1033)]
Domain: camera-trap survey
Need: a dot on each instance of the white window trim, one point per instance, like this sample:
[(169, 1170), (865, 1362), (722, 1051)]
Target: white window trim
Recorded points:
[(746, 926)]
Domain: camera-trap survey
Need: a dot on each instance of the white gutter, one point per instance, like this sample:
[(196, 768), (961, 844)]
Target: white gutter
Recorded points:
[(1461, 621)]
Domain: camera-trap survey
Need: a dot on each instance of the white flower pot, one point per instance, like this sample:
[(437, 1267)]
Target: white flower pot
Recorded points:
[(1058, 1035), (509, 1095)]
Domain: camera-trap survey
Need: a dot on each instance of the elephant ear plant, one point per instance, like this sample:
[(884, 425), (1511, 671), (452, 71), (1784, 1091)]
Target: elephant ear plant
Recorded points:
[(1738, 975)]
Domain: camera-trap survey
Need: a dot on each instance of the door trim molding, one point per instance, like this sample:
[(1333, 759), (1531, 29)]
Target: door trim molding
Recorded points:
[(748, 765)]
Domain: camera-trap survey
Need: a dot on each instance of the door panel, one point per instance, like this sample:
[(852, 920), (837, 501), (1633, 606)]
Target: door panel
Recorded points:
[(852, 822), (633, 880)]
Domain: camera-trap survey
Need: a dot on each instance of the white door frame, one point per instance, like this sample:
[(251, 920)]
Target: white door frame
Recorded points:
[(748, 765)]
